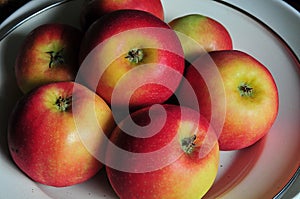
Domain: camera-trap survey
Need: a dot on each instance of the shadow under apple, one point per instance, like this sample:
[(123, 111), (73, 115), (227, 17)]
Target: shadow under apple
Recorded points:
[(234, 167), (10, 92)]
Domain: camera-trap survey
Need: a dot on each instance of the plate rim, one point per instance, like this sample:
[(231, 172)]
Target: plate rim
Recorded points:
[(265, 25), (13, 24)]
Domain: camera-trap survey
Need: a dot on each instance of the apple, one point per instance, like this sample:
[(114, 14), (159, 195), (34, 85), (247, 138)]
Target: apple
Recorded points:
[(49, 53), (133, 51), (178, 160), (199, 33), (94, 9), (251, 96), (54, 131)]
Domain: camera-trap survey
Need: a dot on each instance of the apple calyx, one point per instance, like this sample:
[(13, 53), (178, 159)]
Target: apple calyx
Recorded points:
[(135, 55), (188, 144), (63, 104), (245, 90), (56, 58)]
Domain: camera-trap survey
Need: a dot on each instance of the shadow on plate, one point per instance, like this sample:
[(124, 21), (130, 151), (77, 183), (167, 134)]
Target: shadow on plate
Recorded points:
[(10, 93), (234, 167)]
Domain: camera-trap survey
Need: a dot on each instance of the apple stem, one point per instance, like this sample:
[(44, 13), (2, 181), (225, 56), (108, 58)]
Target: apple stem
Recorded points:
[(135, 55), (56, 58), (188, 144), (63, 104), (245, 90)]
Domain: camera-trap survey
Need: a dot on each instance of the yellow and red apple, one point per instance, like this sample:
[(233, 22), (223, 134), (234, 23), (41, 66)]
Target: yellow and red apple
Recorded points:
[(178, 160), (251, 96), (48, 54), (136, 48), (94, 9), (55, 130), (199, 33)]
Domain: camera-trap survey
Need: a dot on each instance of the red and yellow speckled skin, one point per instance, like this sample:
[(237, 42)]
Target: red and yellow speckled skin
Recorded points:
[(247, 119), (189, 176), (46, 143), (112, 37), (32, 63), (207, 32), (93, 10)]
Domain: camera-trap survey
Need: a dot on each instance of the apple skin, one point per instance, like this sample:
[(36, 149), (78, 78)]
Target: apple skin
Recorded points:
[(248, 118), (94, 9), (33, 65), (201, 33), (109, 41), (47, 142), (188, 175)]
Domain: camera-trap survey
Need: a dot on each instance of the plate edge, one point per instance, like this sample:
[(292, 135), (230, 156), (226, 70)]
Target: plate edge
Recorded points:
[(290, 49), (296, 173), (12, 25)]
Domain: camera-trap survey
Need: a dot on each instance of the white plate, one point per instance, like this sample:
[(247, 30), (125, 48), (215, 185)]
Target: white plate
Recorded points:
[(261, 171)]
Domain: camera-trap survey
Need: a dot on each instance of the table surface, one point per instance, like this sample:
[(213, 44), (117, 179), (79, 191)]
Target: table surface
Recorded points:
[(7, 7)]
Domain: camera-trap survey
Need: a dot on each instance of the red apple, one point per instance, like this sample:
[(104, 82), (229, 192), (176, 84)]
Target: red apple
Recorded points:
[(135, 52), (200, 33), (49, 53), (178, 160), (251, 96), (94, 9), (54, 131)]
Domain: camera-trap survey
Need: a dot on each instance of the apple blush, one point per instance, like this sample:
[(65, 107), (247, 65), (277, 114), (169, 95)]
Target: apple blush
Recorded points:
[(179, 160), (54, 132), (200, 34), (48, 54), (132, 52), (95, 9), (251, 96)]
